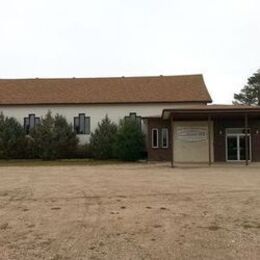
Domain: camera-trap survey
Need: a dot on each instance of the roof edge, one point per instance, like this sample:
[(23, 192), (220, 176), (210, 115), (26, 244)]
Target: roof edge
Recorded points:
[(208, 109), (105, 103), (105, 77)]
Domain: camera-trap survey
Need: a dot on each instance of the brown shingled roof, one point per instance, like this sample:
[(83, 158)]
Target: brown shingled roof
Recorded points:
[(189, 88)]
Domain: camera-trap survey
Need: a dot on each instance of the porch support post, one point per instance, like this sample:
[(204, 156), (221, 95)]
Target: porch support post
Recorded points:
[(172, 153), (246, 137), (209, 137)]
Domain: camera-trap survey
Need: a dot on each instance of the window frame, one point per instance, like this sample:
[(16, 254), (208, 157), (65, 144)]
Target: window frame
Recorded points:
[(77, 127), (167, 138), (157, 132), (28, 127)]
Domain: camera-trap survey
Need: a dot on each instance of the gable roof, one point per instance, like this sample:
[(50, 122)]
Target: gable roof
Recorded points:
[(161, 89)]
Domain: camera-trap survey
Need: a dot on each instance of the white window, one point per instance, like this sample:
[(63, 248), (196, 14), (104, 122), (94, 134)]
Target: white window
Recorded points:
[(165, 138), (82, 124), (155, 138)]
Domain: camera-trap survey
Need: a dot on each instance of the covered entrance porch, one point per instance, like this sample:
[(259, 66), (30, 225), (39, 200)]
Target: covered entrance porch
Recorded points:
[(214, 133)]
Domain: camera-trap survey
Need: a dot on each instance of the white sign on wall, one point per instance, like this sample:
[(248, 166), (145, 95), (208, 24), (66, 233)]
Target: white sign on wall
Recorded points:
[(192, 134)]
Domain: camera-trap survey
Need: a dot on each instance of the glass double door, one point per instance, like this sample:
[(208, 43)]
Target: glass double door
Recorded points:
[(236, 147)]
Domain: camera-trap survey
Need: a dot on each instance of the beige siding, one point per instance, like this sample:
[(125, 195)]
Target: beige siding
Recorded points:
[(96, 112), (187, 150)]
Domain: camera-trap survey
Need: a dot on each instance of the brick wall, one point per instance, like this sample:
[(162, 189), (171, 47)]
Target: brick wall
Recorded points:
[(158, 154), (220, 141)]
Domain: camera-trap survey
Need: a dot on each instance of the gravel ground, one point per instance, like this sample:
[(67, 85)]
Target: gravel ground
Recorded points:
[(130, 211)]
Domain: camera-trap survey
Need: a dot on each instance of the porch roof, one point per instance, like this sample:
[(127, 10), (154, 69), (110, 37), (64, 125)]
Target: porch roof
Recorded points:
[(213, 110)]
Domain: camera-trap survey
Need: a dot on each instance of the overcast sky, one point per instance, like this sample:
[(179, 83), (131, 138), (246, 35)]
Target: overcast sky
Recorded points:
[(95, 38)]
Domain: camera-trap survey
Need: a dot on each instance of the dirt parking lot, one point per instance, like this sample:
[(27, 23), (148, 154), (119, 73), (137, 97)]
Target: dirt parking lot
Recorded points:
[(129, 211)]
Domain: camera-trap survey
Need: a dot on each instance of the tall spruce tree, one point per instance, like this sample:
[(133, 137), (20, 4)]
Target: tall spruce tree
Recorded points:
[(54, 138), (102, 140), (12, 138), (250, 94), (130, 142)]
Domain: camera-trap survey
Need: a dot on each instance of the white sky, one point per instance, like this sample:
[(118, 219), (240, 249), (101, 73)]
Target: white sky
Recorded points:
[(86, 38)]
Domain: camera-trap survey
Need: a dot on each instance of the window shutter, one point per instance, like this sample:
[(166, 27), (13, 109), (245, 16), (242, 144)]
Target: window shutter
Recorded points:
[(31, 120), (26, 125), (76, 124), (87, 125), (82, 123), (37, 120), (26, 122)]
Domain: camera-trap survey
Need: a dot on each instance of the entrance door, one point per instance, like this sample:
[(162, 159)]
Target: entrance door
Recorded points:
[(232, 148), (236, 147)]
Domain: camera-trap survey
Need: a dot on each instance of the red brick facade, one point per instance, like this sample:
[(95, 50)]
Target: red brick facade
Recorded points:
[(220, 125), (220, 137), (159, 154)]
